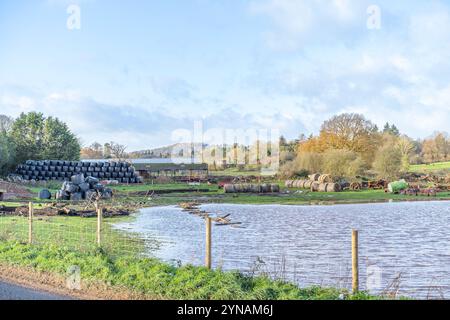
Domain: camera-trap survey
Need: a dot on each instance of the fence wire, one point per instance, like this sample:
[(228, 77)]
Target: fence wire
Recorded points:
[(73, 233)]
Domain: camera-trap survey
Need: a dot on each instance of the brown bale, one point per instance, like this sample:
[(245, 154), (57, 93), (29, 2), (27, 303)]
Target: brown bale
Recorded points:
[(288, 183), (229, 188), (315, 186), (314, 177), (355, 186), (322, 187), (297, 183), (333, 187), (325, 178), (307, 184)]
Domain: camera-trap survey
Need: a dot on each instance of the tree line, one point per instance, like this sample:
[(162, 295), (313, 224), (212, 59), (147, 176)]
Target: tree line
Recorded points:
[(34, 136), (349, 146)]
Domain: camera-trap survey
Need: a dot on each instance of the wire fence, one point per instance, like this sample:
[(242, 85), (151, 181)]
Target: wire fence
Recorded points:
[(71, 232)]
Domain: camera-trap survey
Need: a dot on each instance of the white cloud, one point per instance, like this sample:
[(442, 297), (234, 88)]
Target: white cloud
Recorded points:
[(398, 74)]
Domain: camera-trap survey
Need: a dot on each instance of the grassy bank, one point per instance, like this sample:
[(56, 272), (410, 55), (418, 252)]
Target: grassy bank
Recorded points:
[(160, 280)]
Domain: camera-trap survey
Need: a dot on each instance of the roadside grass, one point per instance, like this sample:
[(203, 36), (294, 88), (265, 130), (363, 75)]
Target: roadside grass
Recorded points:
[(426, 168), (161, 280)]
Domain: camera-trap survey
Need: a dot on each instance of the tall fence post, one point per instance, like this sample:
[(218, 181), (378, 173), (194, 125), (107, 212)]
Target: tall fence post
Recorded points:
[(355, 267), (99, 226), (208, 243), (30, 222)]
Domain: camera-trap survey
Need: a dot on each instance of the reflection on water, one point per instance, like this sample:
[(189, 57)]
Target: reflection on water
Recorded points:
[(311, 245)]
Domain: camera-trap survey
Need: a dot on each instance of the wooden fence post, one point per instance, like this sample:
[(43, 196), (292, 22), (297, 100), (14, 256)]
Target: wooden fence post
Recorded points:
[(208, 243), (355, 268), (99, 226), (30, 222)]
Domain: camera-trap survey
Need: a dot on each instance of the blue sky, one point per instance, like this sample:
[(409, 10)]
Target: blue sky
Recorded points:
[(138, 70)]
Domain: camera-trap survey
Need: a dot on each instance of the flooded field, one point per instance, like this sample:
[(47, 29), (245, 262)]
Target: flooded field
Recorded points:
[(403, 246)]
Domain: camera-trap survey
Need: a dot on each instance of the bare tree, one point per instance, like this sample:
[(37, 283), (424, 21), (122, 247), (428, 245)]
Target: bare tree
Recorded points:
[(118, 150), (5, 123)]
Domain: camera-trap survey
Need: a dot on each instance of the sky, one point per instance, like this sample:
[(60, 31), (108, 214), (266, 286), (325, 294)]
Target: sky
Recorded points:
[(136, 71)]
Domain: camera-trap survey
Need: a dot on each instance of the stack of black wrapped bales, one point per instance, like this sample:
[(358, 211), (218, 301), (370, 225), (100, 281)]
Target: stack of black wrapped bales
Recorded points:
[(80, 188), (46, 170)]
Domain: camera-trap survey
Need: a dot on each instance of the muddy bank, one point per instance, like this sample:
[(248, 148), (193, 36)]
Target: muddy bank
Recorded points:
[(60, 209)]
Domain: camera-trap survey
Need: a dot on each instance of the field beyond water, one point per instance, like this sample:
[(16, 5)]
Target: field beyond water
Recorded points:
[(175, 193), (429, 168)]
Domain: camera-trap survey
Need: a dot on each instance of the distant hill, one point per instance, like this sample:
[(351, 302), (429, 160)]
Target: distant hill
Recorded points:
[(165, 152)]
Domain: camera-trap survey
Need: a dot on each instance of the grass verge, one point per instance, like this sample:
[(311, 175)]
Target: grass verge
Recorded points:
[(154, 278)]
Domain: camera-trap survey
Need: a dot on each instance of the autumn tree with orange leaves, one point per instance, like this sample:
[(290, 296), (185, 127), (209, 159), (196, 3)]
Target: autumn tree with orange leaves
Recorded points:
[(348, 131)]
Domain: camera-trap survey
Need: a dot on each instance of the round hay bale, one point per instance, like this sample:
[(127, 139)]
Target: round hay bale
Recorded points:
[(62, 195), (77, 179), (304, 184), (44, 194), (355, 186), (70, 187), (314, 177), (315, 186), (288, 183), (265, 188), (77, 196), (275, 188), (255, 188), (322, 187), (333, 187), (84, 186), (325, 178), (307, 184)]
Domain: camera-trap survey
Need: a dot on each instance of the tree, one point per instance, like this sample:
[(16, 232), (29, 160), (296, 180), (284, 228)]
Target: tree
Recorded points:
[(118, 150), (37, 137), (94, 151), (6, 154), (343, 163), (436, 148), (309, 161), (5, 123), (388, 161), (347, 131), (391, 129), (406, 147)]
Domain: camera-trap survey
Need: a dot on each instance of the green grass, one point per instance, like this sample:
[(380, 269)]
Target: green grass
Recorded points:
[(161, 280), (307, 197), (426, 168), (296, 196), (167, 186), (73, 233)]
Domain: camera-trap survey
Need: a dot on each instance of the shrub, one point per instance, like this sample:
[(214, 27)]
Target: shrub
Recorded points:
[(388, 162), (343, 163)]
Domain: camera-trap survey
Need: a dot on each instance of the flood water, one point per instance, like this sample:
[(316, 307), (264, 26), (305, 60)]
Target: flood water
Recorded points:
[(402, 245)]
